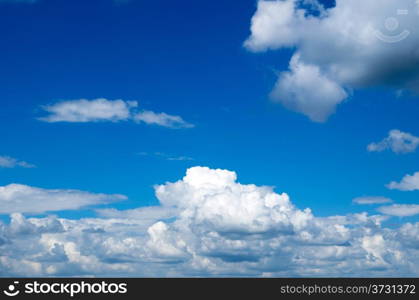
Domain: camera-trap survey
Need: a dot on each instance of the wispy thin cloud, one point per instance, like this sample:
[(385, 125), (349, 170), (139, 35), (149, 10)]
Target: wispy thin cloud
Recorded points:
[(166, 156), (10, 162), (371, 200), (19, 198), (104, 110), (162, 119), (400, 210)]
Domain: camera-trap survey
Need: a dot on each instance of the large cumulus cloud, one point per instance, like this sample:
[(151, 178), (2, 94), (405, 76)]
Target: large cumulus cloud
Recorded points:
[(352, 45), (209, 224)]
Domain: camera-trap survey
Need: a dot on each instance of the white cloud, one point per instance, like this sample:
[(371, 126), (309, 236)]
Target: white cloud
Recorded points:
[(84, 110), (208, 224), (397, 141), (103, 110), (272, 26), (341, 47), (409, 235), (408, 183), (18, 198), (371, 200), (225, 227), (306, 90), (161, 119), (375, 245), (213, 199), (10, 162), (400, 210)]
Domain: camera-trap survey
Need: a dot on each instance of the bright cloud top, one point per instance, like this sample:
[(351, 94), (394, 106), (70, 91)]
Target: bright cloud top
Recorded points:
[(408, 183), (101, 110), (397, 141), (213, 199), (208, 224), (18, 198), (10, 162), (371, 200), (360, 38)]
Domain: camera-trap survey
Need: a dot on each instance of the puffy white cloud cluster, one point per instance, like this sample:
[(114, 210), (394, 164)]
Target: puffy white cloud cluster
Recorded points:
[(354, 44), (101, 110), (397, 141), (208, 224)]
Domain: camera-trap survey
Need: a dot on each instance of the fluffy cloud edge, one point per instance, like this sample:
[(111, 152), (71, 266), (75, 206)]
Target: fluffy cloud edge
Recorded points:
[(305, 89), (407, 183), (397, 141)]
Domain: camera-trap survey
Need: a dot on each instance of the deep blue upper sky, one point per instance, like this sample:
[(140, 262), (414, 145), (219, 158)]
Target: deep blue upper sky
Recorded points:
[(185, 58)]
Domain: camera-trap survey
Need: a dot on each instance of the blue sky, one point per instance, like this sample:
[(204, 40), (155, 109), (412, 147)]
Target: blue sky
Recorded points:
[(188, 59)]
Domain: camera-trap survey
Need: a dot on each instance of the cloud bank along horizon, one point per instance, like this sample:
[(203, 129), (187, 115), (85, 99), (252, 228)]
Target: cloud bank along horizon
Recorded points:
[(360, 38), (207, 224)]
